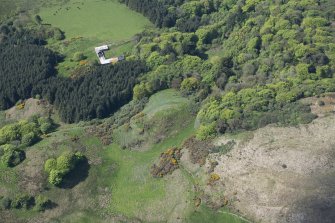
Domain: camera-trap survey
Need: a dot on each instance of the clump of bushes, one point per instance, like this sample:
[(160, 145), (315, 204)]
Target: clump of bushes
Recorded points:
[(58, 168), (11, 156), (26, 132), (27, 202), (167, 164), (15, 137), (189, 84), (199, 149)]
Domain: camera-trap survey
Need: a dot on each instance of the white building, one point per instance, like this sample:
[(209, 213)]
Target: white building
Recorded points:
[(101, 55)]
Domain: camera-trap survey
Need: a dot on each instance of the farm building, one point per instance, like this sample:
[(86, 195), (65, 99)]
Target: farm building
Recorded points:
[(101, 55)]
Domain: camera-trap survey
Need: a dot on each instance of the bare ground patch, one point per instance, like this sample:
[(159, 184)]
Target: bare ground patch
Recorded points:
[(29, 108), (281, 174)]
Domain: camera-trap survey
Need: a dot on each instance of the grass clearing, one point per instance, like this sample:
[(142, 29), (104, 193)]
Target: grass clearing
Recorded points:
[(97, 19), (90, 23), (134, 189), (164, 100)]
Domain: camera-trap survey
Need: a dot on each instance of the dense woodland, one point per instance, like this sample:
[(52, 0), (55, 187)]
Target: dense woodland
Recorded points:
[(95, 95), (19, 70), (247, 62)]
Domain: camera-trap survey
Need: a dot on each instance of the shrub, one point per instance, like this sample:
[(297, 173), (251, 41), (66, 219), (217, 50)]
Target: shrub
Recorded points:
[(60, 167), (42, 203), (142, 90), (189, 84), (29, 139), (206, 131), (167, 164), (46, 128), (13, 157), (50, 164), (6, 203), (78, 56), (214, 177), (55, 177), (23, 201)]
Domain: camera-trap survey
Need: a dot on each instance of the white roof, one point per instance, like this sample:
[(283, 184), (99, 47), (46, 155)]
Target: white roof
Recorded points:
[(102, 59)]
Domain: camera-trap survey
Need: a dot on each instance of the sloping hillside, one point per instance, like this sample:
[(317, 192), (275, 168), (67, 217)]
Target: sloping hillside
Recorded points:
[(282, 174)]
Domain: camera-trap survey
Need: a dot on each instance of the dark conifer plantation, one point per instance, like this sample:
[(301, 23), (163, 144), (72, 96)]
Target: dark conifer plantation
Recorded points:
[(27, 69)]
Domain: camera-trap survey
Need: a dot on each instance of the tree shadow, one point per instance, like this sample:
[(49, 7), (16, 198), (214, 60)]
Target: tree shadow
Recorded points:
[(77, 175), (50, 205)]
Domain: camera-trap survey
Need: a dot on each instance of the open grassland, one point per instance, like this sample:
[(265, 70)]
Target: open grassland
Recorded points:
[(117, 185), (102, 20), (88, 24), (164, 100), (7, 8), (135, 190)]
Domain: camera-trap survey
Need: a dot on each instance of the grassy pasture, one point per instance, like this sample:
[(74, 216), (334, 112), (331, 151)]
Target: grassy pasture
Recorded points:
[(164, 100), (88, 24), (97, 19)]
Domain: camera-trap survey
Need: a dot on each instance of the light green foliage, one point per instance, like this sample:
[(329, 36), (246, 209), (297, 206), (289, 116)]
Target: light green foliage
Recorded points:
[(58, 168), (26, 131), (46, 127), (55, 177), (9, 133), (189, 64), (147, 49), (250, 4), (190, 84), (314, 22), (193, 8), (206, 131), (12, 157), (50, 164), (142, 90), (155, 59), (29, 138), (302, 71), (46, 124), (206, 35), (254, 44), (65, 162)]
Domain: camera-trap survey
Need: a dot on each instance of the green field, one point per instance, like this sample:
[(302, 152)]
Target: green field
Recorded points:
[(164, 100), (88, 24), (102, 20)]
